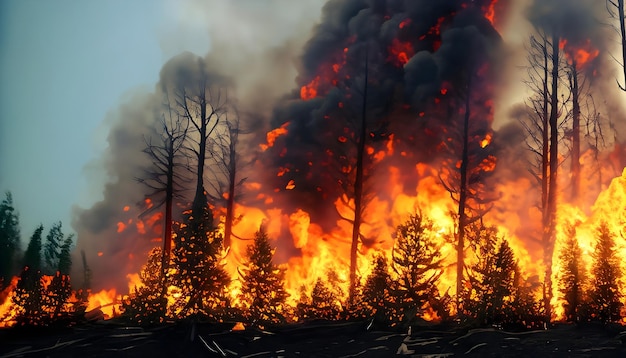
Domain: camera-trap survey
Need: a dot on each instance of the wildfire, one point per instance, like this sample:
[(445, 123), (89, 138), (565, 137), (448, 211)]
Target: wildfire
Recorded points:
[(273, 135), (581, 54)]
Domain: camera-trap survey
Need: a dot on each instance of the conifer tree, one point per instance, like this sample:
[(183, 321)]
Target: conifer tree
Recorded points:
[(9, 239), (605, 293), (147, 305), (571, 277), (60, 289), (491, 279), (263, 291), (416, 260), (197, 260), (377, 295), (28, 292), (51, 248), (324, 303)]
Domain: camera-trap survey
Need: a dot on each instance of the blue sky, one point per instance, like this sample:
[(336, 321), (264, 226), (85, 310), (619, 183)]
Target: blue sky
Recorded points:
[(63, 65), (67, 65)]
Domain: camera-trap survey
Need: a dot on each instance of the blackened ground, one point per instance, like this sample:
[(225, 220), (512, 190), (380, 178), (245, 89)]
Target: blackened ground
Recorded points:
[(315, 339)]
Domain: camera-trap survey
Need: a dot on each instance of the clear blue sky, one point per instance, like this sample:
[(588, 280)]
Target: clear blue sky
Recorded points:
[(63, 65)]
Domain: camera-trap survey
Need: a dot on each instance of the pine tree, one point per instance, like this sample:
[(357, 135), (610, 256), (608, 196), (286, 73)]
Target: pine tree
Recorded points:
[(60, 289), (51, 248), (147, 305), (263, 291), (605, 294), (377, 295), (324, 303), (28, 292), (9, 239), (417, 263), (197, 261), (571, 277), (491, 279)]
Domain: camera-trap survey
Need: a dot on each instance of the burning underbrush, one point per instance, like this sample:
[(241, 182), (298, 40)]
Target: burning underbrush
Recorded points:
[(379, 190)]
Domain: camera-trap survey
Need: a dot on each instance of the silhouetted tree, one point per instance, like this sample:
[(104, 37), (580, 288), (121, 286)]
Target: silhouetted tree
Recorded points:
[(60, 290), (324, 301), (605, 293), (147, 304), (263, 292), (377, 293), (616, 11), (9, 239), (572, 276), (416, 260), (164, 177), (28, 292), (197, 259), (51, 249), (491, 279), (226, 170)]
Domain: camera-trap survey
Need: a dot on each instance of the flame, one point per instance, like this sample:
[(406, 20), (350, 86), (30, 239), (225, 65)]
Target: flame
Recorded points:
[(106, 300), (490, 11), (273, 135), (582, 54)]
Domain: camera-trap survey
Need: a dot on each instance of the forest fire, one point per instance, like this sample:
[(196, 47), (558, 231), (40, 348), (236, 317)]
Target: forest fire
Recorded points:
[(380, 188)]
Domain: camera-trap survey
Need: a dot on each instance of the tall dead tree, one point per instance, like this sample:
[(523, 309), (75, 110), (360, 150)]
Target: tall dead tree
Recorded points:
[(542, 127), (164, 177), (202, 106), (575, 153), (550, 230), (227, 163), (358, 182), (617, 11)]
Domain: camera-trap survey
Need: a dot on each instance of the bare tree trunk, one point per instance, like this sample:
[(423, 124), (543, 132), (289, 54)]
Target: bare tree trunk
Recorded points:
[(548, 245), (230, 201), (575, 133), (169, 202), (358, 188), (200, 200), (622, 27), (545, 137), (460, 246)]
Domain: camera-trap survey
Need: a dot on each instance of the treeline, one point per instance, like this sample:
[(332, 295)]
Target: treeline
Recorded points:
[(35, 281), (402, 289)]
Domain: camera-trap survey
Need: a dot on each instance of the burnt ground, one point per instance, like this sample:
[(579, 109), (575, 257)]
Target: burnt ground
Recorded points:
[(316, 339)]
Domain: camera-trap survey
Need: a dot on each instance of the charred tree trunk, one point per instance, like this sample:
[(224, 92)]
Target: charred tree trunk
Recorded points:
[(169, 202), (545, 137), (548, 239), (200, 200), (230, 201), (460, 246), (358, 188), (622, 27), (575, 133)]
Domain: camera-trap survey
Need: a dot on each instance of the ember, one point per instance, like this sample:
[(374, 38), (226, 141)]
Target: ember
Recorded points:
[(387, 186)]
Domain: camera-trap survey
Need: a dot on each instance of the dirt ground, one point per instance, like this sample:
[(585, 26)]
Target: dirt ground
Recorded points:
[(315, 339)]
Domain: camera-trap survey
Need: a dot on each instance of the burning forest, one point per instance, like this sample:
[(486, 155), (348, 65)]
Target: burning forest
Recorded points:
[(445, 161)]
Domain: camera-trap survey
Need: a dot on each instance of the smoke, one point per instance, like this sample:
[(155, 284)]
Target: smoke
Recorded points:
[(249, 48), (284, 71)]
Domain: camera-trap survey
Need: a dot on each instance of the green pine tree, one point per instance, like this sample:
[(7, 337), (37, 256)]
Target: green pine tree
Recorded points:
[(9, 239), (605, 294), (263, 291)]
